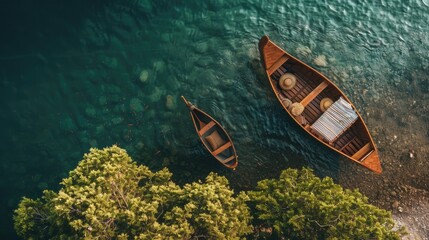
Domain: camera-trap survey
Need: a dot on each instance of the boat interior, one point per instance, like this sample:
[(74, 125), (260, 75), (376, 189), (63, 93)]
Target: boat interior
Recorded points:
[(310, 88), (214, 138)]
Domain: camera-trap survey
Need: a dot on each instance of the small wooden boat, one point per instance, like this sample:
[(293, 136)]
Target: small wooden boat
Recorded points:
[(214, 137), (318, 106)]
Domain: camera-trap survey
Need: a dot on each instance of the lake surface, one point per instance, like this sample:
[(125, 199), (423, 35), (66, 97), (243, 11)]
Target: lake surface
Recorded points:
[(77, 76)]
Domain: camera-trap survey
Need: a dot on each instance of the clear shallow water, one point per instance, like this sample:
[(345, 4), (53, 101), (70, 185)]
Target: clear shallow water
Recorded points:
[(74, 77)]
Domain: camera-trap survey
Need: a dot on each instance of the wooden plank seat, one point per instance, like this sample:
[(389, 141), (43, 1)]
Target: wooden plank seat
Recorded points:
[(206, 128), (312, 112), (363, 151), (222, 148), (314, 93)]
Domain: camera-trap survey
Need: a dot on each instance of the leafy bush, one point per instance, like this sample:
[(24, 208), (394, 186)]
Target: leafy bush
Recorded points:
[(109, 196), (300, 205)]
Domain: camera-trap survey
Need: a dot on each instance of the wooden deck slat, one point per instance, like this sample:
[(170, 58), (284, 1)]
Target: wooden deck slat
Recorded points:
[(364, 150), (345, 145), (206, 128), (311, 111), (356, 145), (347, 151), (316, 108), (313, 94), (304, 91), (345, 138), (342, 141), (351, 146), (222, 148)]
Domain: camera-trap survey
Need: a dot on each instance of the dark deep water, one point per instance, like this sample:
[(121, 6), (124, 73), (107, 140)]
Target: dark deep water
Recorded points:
[(81, 75)]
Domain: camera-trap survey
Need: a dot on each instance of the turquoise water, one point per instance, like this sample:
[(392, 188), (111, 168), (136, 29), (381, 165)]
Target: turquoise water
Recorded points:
[(76, 76)]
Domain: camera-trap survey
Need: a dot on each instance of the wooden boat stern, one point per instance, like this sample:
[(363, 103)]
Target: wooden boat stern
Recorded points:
[(372, 162)]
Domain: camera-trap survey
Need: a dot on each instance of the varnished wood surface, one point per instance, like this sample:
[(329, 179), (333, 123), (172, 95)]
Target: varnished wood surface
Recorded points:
[(311, 87), (204, 125)]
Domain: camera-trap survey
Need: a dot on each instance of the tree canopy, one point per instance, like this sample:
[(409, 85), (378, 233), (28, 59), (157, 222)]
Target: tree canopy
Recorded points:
[(300, 205), (109, 196)]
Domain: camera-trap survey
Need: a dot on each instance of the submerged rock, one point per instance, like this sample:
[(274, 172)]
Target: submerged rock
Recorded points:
[(117, 120), (321, 61), (201, 47), (67, 125), (303, 50), (156, 95), (136, 105), (204, 61), (109, 62), (144, 5), (139, 145), (102, 100), (165, 37), (149, 114), (170, 102), (159, 66), (144, 76), (90, 112)]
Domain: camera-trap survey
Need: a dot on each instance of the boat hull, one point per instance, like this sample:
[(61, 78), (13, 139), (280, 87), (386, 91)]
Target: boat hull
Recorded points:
[(309, 91), (213, 136)]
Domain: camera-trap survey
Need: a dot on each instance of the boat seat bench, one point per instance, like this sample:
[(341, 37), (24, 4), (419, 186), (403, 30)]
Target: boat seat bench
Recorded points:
[(361, 152), (222, 148), (314, 93), (206, 128)]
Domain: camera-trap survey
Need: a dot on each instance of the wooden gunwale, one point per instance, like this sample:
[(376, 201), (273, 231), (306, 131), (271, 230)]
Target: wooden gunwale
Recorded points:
[(270, 54), (202, 128)]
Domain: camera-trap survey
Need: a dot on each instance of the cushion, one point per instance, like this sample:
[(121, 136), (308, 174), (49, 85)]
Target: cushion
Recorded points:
[(215, 140)]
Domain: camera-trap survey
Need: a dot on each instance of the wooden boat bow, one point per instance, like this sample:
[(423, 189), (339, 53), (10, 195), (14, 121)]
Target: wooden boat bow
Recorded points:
[(308, 92), (188, 104)]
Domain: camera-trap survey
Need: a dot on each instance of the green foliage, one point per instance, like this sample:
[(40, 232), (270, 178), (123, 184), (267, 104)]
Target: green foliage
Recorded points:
[(300, 205), (109, 196)]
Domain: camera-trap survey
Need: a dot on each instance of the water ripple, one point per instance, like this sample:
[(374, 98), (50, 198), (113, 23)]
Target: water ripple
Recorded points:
[(104, 78)]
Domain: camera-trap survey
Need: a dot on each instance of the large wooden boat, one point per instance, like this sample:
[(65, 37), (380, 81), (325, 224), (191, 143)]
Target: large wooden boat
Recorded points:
[(213, 136), (318, 106)]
